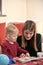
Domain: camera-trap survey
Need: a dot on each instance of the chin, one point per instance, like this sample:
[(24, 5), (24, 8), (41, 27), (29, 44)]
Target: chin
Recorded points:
[(27, 39)]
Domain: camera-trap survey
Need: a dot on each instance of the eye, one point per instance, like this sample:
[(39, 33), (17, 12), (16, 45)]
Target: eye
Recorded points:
[(30, 33), (26, 33)]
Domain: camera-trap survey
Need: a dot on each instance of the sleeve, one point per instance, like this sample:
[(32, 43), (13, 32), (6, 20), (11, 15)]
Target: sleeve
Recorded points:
[(20, 50), (5, 50), (38, 41)]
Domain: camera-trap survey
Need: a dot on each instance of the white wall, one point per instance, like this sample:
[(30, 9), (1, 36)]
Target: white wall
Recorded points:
[(35, 12), (21, 10), (15, 10), (35, 9)]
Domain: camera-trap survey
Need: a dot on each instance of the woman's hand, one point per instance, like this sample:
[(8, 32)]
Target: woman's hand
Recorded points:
[(24, 55), (27, 55)]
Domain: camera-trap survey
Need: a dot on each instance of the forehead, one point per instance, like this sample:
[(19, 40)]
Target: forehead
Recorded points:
[(14, 31), (28, 31)]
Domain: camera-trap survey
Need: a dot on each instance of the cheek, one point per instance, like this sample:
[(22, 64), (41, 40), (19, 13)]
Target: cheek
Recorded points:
[(28, 37), (25, 34), (32, 35), (14, 38), (10, 36)]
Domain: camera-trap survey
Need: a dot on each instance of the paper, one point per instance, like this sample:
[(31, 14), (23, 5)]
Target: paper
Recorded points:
[(27, 59)]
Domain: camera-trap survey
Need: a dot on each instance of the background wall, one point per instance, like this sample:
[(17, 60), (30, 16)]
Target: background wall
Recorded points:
[(15, 10), (21, 10), (35, 12)]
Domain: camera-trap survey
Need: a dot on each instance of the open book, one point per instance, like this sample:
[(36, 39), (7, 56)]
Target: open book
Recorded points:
[(27, 59)]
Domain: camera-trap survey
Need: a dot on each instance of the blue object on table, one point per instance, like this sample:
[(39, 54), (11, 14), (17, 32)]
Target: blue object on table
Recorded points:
[(4, 59), (11, 61)]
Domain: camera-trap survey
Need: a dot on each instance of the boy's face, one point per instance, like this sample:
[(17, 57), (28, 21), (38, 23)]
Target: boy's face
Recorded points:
[(13, 36)]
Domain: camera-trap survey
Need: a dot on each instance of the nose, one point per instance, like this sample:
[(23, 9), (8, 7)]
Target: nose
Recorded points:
[(28, 35)]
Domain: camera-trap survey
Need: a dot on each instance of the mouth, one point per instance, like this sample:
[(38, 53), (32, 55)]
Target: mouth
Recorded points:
[(28, 38)]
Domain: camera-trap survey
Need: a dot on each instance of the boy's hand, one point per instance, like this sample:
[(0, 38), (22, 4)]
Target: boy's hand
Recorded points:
[(22, 55), (27, 54), (15, 58)]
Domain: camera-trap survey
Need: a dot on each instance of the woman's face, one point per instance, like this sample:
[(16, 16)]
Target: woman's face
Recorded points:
[(28, 34)]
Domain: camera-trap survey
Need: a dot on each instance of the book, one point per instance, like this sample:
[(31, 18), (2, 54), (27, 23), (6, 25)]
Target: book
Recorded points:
[(27, 59)]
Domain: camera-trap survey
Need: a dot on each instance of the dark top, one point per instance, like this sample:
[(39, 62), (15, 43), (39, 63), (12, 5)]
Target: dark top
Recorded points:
[(11, 50), (38, 41), (28, 47)]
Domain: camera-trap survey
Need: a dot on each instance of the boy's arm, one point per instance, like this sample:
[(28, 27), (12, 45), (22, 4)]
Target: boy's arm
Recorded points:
[(5, 50), (20, 50), (23, 52)]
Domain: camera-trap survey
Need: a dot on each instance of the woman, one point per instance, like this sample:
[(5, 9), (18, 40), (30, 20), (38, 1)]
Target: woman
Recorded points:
[(28, 39)]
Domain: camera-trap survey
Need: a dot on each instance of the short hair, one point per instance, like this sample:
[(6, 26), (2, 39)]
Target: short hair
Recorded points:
[(10, 28)]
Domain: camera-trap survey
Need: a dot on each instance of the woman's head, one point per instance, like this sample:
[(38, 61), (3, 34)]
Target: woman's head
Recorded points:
[(29, 33), (11, 32), (29, 29)]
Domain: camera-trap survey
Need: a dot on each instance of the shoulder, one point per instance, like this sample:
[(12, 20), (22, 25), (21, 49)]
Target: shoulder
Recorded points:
[(4, 43), (19, 40), (19, 37)]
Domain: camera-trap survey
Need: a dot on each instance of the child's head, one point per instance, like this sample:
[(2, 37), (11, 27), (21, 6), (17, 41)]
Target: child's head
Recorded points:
[(11, 32)]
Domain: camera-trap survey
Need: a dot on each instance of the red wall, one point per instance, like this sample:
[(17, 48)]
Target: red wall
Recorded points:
[(2, 30)]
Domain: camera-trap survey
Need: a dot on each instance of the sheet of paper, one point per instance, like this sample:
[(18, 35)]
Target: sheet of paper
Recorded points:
[(27, 59)]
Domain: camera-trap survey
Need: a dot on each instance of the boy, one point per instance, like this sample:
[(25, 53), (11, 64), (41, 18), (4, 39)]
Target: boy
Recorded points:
[(10, 47)]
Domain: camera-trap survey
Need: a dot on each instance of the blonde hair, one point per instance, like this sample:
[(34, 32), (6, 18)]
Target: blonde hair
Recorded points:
[(10, 28), (30, 25)]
